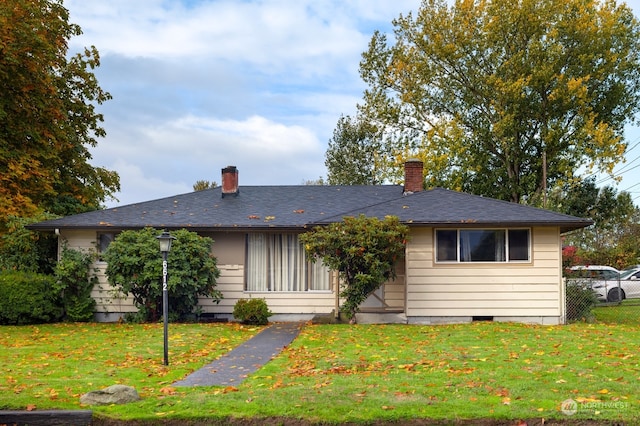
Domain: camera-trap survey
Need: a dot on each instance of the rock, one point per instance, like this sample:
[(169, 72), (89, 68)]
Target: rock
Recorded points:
[(116, 394)]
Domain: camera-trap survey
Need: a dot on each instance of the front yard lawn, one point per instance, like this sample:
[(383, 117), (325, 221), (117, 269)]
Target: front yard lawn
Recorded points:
[(335, 373)]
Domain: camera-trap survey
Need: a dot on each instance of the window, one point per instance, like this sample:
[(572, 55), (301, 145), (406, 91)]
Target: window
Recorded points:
[(277, 262), (104, 240), (482, 245)]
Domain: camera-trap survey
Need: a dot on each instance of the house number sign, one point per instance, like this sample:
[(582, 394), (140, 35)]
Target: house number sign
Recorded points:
[(164, 275)]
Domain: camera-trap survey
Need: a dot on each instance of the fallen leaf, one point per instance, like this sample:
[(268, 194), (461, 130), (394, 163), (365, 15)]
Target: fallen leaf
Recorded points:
[(168, 391), (31, 407)]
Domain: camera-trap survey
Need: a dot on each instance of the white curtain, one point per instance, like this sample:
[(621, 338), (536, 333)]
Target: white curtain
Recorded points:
[(465, 246), (500, 244), (320, 278), (256, 268), (286, 263), (277, 262)]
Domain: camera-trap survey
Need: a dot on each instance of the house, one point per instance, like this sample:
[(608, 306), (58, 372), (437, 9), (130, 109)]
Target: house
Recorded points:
[(468, 257)]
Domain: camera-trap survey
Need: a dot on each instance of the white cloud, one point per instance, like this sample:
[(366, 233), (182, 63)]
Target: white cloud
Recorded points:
[(137, 186), (169, 159), (272, 34), (201, 138)]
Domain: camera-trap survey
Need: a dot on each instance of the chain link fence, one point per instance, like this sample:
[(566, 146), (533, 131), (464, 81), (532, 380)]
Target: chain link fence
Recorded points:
[(603, 300)]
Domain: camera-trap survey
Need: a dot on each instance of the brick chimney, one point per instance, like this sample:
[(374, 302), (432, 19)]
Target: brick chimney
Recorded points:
[(230, 181), (413, 177)]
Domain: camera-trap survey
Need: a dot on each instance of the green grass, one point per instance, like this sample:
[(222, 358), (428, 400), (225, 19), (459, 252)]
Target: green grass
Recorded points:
[(627, 312), (335, 373)]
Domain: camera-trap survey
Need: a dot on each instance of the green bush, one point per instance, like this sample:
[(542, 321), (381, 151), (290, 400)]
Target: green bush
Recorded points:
[(134, 266), (28, 298), (74, 282), (252, 311), (364, 250)]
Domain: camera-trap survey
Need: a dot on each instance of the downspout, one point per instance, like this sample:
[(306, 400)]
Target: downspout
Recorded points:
[(563, 284), (336, 288)]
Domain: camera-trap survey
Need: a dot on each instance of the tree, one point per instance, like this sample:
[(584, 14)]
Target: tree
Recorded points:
[(201, 185), (352, 157), (612, 213), (48, 119), (25, 250), (134, 267), (482, 91), (314, 182), (627, 250), (363, 250)]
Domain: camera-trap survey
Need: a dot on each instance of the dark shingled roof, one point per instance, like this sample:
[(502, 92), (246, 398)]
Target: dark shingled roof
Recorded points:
[(301, 206), (442, 207)]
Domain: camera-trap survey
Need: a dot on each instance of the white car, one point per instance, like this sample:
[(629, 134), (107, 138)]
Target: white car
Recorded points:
[(629, 286), (603, 280)]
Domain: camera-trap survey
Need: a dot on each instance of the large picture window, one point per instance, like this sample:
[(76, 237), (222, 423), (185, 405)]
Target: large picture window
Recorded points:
[(278, 262), (483, 245)]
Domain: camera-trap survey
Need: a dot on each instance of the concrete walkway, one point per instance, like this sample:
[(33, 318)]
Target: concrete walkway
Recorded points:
[(233, 367)]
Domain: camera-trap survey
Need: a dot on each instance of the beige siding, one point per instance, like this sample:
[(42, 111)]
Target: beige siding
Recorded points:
[(108, 299), (78, 239), (423, 288), (499, 290), (230, 282), (395, 291)]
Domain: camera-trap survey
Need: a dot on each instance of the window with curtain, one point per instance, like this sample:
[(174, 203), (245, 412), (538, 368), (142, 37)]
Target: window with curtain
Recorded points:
[(104, 240), (278, 262), (483, 245)]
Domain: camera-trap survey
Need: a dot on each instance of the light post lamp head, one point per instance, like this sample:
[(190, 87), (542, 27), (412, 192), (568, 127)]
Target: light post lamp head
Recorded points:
[(165, 241)]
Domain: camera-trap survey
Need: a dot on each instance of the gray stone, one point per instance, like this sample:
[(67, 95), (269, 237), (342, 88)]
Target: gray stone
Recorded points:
[(116, 394)]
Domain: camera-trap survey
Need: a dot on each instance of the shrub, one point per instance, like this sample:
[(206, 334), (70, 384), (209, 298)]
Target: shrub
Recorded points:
[(252, 311), (134, 266), (28, 298), (74, 282), (364, 251), (580, 300)]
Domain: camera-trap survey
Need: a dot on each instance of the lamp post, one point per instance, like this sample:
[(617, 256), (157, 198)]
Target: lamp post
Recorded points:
[(165, 247)]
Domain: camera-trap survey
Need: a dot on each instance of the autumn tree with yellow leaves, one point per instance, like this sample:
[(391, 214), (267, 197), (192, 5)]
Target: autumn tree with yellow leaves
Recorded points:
[(48, 117), (484, 91)]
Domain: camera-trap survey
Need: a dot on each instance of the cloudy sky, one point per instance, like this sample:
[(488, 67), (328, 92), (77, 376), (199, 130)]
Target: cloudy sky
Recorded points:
[(260, 84)]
